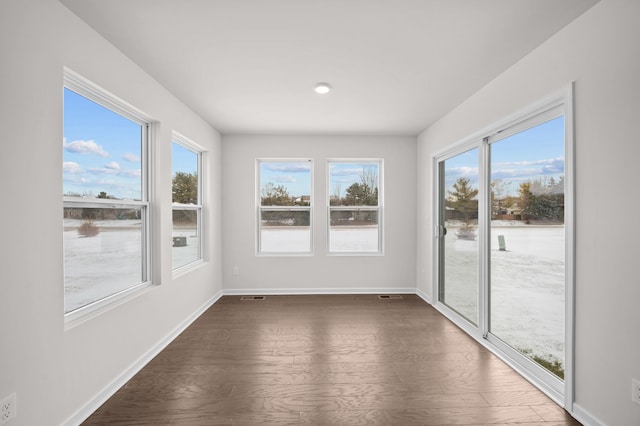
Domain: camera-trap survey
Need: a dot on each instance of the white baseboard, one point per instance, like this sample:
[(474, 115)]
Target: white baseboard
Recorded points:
[(94, 403), (302, 291), (584, 417), (424, 296)]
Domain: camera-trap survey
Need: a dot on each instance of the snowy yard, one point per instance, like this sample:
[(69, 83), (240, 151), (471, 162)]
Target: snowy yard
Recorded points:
[(117, 249), (361, 239), (527, 286)]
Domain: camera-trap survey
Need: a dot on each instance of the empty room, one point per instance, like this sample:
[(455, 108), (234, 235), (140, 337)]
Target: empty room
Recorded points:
[(296, 212)]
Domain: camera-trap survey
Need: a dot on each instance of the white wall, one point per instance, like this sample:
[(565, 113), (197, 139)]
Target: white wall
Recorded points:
[(600, 52), (56, 372), (394, 271)]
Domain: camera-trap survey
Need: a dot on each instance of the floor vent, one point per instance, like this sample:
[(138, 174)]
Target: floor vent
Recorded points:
[(253, 298), (389, 296)]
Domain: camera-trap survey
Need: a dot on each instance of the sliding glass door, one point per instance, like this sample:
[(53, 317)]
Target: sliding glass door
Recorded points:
[(504, 250), (459, 251), (527, 235)]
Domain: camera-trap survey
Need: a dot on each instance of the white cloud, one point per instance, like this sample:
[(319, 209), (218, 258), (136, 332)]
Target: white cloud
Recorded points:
[(463, 171), (116, 171), (85, 147), (285, 179), (71, 167), (337, 171), (288, 167), (130, 157), (113, 166), (555, 162)]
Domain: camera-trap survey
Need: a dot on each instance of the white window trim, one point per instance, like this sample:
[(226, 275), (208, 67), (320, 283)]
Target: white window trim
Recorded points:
[(202, 160), (259, 209), (561, 393), (379, 208), (84, 87)]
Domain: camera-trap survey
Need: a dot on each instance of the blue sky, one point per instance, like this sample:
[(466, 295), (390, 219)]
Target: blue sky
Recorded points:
[(102, 151), (343, 175), (183, 160), (526, 156), (293, 175), (296, 175)]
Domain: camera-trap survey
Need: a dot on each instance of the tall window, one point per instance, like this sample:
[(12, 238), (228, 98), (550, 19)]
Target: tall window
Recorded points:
[(355, 206), (504, 241), (187, 202), (105, 196), (284, 206)]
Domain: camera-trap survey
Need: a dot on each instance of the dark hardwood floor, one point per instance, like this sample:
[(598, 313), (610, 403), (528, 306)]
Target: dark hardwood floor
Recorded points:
[(327, 360)]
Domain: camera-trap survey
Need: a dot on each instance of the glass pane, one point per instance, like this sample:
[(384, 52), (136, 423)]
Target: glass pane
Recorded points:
[(186, 238), (184, 191), (102, 151), (527, 243), (102, 253), (285, 183), (184, 187), (353, 231), (459, 250), (285, 231), (354, 184)]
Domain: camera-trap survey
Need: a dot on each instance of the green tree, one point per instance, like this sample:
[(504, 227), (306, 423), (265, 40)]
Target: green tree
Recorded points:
[(361, 194), (463, 198), (275, 195), (185, 188), (525, 200)]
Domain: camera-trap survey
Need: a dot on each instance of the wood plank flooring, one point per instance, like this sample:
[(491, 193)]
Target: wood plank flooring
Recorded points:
[(327, 360)]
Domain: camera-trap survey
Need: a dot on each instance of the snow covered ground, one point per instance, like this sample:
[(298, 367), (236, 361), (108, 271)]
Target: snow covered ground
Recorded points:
[(527, 286), (361, 239), (100, 266)]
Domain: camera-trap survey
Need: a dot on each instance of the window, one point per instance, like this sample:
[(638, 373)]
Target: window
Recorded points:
[(504, 246), (284, 206), (105, 196), (186, 184), (355, 206)]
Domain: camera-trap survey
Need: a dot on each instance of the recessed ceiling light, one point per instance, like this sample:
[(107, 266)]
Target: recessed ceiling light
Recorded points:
[(322, 88)]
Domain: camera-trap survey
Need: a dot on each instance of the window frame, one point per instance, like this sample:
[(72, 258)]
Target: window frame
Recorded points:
[(559, 103), (379, 208), (200, 152), (89, 90), (260, 208)]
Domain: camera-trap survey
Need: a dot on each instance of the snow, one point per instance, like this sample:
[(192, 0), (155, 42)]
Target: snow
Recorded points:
[(116, 251), (297, 239), (110, 262), (527, 286)]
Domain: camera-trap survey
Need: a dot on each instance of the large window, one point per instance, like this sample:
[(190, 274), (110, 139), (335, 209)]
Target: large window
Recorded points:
[(186, 193), (105, 196), (355, 206), (505, 241), (284, 206)]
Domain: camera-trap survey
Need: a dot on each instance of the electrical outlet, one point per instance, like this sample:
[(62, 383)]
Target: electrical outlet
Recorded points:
[(7, 409), (236, 271), (635, 393)]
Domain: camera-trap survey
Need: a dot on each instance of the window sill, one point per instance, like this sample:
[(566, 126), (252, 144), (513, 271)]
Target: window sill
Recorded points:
[(358, 253), (186, 269), (92, 310)]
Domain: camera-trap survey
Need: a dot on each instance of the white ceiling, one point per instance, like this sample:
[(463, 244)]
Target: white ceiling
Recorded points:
[(248, 66)]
